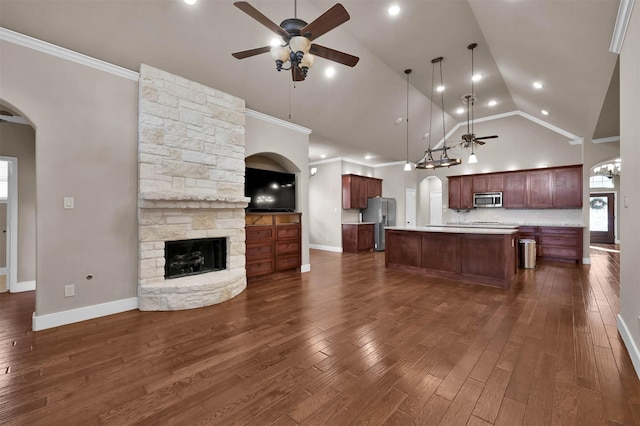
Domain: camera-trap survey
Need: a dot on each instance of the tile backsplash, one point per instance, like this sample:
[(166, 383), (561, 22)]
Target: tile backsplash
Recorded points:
[(517, 216)]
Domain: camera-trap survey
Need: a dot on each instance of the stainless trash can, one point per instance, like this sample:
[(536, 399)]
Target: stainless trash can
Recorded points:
[(527, 254)]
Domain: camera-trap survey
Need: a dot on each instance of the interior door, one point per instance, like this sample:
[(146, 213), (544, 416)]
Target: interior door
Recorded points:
[(601, 218)]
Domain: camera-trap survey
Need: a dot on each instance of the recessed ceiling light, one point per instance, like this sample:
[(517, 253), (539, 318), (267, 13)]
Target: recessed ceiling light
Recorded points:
[(538, 85), (460, 110), (274, 41), (440, 88), (323, 156), (368, 157), (492, 102), (426, 135), (398, 120), (190, 2), (476, 77), (544, 112), (329, 72), (393, 10)]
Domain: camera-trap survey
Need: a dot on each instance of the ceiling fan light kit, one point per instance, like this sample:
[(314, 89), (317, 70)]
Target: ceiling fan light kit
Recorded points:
[(297, 53)]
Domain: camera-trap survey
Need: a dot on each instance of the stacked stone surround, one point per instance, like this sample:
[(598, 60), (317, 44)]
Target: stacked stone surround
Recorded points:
[(191, 185)]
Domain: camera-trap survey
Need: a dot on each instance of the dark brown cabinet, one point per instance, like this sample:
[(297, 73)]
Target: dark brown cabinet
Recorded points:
[(514, 194), (357, 237), (540, 189), (273, 242), (356, 189), (563, 243), (488, 183), (567, 187), (460, 192)]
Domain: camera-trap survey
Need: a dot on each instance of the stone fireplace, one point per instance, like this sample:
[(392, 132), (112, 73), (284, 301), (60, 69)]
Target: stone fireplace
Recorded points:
[(191, 188)]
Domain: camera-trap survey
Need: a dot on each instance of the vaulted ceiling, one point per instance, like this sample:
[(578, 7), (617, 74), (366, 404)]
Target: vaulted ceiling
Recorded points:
[(562, 43)]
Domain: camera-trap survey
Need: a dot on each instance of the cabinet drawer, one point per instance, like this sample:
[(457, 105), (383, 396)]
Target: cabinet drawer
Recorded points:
[(285, 232), (528, 230), (559, 252), (260, 267), (257, 251), (259, 233), (559, 240), (287, 262), (286, 247), (560, 231)]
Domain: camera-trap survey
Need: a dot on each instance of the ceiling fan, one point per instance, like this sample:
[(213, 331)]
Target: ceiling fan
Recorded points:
[(469, 138), (297, 35)]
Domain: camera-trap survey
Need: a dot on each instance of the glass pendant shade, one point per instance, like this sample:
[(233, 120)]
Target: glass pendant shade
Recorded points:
[(279, 53), (407, 167), (473, 159), (300, 44), (307, 60)]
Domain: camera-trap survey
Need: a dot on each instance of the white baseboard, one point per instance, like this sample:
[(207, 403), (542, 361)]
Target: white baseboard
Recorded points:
[(586, 261), (23, 286), (42, 322), (326, 248), (630, 344), (305, 268)]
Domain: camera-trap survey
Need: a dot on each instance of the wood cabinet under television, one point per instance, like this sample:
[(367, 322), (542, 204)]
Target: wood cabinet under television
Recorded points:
[(356, 189), (273, 242)]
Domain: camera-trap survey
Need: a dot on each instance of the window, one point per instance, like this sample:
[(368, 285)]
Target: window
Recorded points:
[(600, 182)]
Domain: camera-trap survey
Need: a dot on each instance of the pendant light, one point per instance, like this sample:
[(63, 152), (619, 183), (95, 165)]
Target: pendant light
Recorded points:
[(427, 161), (407, 165)]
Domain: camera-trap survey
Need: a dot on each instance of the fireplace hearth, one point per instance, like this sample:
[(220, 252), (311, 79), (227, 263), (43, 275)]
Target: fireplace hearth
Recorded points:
[(193, 257)]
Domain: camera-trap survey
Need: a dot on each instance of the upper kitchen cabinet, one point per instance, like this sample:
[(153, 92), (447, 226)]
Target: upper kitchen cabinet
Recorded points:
[(460, 192), (514, 194), (540, 184), (568, 187), (488, 183), (356, 189)]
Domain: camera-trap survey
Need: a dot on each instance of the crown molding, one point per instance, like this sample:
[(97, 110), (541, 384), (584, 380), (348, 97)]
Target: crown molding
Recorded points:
[(622, 22), (69, 55), (606, 140), (277, 121), (395, 163)]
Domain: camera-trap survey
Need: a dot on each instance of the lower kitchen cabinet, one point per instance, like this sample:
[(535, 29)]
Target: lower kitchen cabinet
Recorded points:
[(273, 242), (357, 237), (561, 243)]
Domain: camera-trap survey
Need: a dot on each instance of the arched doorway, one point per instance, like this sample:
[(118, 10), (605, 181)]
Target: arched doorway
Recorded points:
[(430, 209)]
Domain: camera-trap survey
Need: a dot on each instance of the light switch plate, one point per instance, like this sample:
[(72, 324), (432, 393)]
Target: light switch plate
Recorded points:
[(68, 202)]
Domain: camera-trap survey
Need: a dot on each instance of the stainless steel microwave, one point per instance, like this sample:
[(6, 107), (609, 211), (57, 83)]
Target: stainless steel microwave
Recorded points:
[(487, 199)]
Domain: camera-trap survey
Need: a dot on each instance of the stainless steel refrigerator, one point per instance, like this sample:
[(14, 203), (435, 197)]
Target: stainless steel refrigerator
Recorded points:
[(381, 211)]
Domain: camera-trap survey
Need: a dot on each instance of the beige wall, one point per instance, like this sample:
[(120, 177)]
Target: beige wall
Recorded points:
[(290, 149), (18, 140), (630, 186), (86, 148), (325, 206)]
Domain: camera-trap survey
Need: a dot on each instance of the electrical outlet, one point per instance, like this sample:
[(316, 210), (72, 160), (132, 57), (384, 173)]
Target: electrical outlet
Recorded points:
[(69, 290)]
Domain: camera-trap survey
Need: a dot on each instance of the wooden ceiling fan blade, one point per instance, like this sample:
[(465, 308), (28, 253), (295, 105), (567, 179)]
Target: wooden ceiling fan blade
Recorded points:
[(329, 20), (334, 55), (258, 16), (487, 137), (296, 74), (251, 52)]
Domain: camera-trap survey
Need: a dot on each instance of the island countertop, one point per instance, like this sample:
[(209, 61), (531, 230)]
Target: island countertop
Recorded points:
[(457, 230)]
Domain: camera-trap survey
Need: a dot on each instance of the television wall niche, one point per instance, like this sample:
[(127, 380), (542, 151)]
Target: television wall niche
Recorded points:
[(270, 191)]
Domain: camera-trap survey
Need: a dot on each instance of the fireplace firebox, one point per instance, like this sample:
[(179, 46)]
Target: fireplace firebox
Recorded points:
[(192, 257)]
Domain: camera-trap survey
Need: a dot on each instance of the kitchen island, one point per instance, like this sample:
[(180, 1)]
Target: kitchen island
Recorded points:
[(472, 254)]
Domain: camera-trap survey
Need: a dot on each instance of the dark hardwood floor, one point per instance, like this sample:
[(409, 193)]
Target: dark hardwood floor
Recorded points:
[(347, 343)]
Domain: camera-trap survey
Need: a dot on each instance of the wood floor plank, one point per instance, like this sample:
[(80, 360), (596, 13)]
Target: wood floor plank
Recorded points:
[(347, 343)]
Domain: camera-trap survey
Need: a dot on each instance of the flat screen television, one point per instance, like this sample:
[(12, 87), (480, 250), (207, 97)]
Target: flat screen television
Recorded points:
[(270, 191)]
